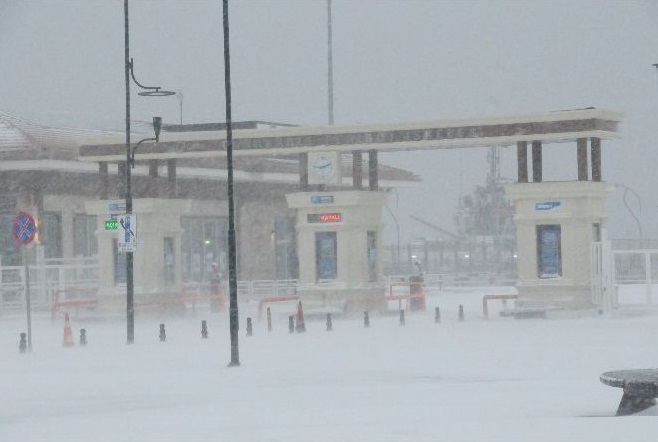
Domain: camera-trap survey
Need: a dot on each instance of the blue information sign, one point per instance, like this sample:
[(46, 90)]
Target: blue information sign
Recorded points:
[(25, 228)]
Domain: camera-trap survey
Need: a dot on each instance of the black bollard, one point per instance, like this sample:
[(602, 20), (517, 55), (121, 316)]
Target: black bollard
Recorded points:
[(291, 324), (250, 328), (163, 335), (83, 337), (461, 312), (329, 323), (269, 320), (437, 315), (401, 317), (22, 345), (204, 329), (366, 319)]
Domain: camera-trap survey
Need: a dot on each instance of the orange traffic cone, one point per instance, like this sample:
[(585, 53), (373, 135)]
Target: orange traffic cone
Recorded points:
[(300, 327), (68, 335)]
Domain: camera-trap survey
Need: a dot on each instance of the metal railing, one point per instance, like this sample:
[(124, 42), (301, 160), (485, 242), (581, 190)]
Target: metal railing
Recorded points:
[(45, 281)]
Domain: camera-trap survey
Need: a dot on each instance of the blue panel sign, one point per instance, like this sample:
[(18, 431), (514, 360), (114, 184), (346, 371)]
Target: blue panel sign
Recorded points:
[(547, 205), (322, 199), (116, 207)]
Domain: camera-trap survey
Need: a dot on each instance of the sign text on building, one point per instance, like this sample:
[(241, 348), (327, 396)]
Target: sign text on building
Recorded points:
[(324, 217)]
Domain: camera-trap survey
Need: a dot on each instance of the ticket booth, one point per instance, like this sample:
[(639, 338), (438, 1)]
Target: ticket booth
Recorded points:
[(557, 223), (339, 237), (157, 258)]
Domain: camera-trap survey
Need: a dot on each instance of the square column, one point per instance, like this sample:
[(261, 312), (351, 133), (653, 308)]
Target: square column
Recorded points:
[(536, 162)]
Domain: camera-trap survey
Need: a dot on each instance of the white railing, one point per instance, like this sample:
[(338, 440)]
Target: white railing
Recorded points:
[(45, 281), (623, 277), (259, 289), (632, 268)]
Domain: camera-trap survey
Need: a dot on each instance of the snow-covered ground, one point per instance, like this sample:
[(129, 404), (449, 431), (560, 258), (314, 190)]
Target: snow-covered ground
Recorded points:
[(501, 379)]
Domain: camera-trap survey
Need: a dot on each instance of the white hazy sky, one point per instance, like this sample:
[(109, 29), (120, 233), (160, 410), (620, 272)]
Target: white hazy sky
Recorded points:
[(61, 63)]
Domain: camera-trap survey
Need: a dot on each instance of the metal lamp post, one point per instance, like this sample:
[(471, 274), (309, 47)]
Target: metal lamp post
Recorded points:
[(130, 155), (232, 259)]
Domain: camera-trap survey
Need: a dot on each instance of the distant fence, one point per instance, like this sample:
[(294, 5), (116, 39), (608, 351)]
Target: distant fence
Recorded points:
[(46, 281), (54, 284), (634, 269)]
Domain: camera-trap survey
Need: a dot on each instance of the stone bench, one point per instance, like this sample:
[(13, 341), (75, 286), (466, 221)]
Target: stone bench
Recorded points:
[(640, 388)]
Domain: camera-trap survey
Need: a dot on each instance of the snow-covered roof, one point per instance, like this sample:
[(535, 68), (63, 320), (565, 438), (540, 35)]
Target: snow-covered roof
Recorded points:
[(20, 136), (23, 142)]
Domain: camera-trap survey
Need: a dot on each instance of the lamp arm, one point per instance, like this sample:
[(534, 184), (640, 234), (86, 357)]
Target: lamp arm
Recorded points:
[(132, 74), (132, 153)]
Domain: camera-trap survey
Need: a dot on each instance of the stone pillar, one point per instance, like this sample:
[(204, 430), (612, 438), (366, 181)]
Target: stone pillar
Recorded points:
[(303, 172), (153, 179), (522, 161), (104, 180), (372, 170), (357, 170), (172, 184), (581, 158), (596, 159), (536, 162), (121, 174)]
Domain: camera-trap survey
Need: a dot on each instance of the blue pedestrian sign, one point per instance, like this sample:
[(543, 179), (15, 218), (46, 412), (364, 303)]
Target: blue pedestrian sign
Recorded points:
[(25, 228), (127, 240)]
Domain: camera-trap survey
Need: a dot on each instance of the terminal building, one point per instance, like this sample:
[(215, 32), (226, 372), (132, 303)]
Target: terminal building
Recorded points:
[(180, 205)]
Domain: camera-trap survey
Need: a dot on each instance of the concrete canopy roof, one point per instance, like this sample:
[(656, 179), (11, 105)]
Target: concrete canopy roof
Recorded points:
[(549, 127)]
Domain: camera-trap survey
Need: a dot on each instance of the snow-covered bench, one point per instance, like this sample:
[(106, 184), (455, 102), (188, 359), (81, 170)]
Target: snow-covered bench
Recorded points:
[(640, 388)]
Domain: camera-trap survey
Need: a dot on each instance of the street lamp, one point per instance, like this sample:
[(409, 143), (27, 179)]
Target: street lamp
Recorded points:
[(630, 211), (130, 155)]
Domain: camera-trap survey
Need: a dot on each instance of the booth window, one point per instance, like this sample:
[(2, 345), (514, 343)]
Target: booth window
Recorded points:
[(51, 234), (119, 263), (549, 251), (85, 243), (326, 255), (596, 232), (372, 255), (9, 248), (286, 265), (203, 242), (169, 261)]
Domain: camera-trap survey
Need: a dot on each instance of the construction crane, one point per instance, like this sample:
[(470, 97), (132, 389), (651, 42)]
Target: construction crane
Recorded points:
[(437, 228)]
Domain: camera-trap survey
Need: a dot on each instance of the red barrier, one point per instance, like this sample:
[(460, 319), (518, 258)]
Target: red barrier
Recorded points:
[(58, 302), (417, 294)]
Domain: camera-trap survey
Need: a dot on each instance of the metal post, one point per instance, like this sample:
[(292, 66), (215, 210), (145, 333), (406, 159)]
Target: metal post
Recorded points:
[(232, 262), (330, 68), (180, 105), (647, 276), (28, 306), (130, 309)]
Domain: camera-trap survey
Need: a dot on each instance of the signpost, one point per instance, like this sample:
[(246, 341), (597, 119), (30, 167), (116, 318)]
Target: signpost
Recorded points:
[(24, 230)]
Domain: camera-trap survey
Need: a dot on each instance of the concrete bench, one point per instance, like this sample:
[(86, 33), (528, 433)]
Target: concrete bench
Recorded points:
[(640, 388)]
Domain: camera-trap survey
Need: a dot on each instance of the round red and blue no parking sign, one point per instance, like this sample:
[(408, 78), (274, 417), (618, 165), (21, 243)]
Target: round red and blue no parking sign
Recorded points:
[(25, 228)]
